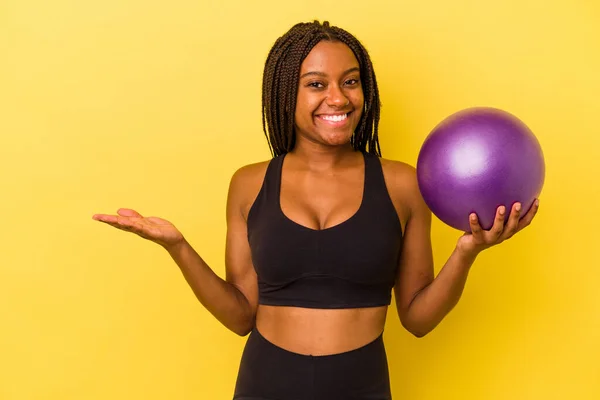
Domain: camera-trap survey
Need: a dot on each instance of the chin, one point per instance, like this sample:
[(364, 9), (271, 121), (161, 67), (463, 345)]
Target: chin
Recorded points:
[(336, 139)]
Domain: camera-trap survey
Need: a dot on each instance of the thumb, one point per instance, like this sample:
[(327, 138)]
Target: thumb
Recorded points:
[(126, 212), (157, 220)]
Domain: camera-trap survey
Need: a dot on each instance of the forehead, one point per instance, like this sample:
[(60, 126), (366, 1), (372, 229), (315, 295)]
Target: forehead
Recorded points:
[(330, 58)]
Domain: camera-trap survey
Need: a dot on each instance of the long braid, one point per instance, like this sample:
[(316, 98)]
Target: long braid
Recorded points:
[(280, 86)]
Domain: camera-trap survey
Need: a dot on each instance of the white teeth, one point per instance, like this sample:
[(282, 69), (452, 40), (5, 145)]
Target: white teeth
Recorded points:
[(335, 118)]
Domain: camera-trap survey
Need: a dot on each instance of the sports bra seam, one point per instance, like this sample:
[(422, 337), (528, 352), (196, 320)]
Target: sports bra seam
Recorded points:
[(322, 275), (329, 305)]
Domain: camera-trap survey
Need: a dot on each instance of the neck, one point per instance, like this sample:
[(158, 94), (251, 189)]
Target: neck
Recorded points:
[(318, 158)]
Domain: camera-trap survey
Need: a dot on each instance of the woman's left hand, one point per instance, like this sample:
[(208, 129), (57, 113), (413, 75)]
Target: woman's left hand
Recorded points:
[(479, 239)]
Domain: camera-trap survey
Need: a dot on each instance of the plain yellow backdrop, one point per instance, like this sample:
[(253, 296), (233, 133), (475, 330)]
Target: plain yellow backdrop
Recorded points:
[(153, 105)]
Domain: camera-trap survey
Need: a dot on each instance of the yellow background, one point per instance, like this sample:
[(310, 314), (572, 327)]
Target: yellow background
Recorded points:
[(153, 105)]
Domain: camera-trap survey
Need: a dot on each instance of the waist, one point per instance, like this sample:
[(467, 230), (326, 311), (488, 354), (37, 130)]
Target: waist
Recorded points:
[(312, 331)]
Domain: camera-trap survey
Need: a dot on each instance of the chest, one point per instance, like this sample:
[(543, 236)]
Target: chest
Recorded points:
[(321, 201)]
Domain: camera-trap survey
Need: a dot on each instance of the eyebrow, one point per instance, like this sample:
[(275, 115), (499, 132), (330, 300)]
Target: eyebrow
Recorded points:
[(317, 73)]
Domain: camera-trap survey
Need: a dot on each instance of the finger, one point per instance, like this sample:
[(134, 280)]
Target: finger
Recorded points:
[(116, 221), (513, 221), (105, 218), (476, 229), (526, 220), (498, 227), (127, 212)]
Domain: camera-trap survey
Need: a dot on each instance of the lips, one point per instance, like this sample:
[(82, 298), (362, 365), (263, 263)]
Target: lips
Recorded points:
[(337, 119), (334, 118)]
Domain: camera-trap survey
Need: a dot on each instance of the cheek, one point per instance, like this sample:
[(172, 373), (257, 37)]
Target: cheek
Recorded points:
[(359, 105), (306, 106), (359, 99)]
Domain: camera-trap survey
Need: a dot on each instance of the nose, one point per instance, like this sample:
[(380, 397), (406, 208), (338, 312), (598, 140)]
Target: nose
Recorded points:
[(336, 97)]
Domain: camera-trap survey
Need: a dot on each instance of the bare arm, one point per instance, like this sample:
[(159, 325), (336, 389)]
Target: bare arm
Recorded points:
[(222, 299), (423, 300), (232, 301)]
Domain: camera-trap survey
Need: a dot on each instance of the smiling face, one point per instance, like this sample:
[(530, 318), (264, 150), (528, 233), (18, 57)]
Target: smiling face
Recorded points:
[(330, 96)]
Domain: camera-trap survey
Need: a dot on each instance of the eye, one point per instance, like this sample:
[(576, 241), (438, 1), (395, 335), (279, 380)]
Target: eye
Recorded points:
[(352, 82), (315, 85)]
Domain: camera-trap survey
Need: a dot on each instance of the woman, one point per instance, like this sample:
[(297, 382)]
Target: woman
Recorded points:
[(318, 236)]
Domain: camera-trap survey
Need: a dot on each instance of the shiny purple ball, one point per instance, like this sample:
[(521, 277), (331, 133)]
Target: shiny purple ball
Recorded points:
[(476, 160)]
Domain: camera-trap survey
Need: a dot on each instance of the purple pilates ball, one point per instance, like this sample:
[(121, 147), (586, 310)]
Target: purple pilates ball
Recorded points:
[(476, 160)]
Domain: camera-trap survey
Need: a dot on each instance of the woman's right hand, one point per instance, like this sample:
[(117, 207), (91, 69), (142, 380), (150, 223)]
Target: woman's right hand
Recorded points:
[(155, 229)]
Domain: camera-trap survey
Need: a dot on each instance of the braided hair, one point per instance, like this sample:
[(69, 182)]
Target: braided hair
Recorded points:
[(280, 86)]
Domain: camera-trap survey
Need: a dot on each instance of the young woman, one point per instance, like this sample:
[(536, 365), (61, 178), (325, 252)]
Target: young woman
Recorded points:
[(318, 236)]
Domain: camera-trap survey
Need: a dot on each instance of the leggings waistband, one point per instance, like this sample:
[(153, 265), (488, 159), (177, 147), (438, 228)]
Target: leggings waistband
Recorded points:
[(270, 372), (378, 340)]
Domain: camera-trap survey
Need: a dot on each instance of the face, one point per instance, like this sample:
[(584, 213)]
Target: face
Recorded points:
[(330, 96)]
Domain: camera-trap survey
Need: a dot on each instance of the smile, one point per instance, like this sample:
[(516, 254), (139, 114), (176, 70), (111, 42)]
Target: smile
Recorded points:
[(334, 118)]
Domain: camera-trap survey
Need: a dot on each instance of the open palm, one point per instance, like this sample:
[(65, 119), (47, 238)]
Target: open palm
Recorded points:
[(155, 229)]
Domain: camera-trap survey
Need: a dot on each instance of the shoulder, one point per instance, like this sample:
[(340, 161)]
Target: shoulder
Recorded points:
[(245, 185), (249, 174), (402, 185), (400, 177)]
